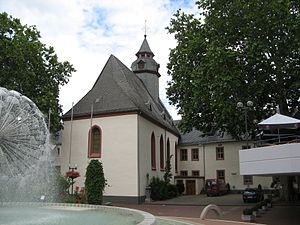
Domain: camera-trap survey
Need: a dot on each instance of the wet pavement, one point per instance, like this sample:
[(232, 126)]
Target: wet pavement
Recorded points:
[(189, 208)]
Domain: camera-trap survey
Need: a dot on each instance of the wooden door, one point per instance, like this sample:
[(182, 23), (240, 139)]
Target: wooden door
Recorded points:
[(190, 187)]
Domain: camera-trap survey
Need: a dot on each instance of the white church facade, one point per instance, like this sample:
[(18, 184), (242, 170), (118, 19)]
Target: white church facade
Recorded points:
[(122, 122)]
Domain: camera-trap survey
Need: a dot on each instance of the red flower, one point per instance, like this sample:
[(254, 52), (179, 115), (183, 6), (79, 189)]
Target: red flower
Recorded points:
[(72, 174)]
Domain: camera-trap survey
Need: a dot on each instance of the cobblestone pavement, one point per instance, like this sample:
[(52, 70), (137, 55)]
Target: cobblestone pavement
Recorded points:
[(189, 208)]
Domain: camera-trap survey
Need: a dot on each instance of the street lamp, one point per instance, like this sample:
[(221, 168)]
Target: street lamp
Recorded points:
[(245, 108), (72, 174)]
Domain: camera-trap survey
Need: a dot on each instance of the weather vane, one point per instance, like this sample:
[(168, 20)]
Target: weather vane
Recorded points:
[(145, 35)]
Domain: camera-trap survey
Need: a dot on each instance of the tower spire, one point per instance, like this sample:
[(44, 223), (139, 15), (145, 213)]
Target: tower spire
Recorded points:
[(145, 35)]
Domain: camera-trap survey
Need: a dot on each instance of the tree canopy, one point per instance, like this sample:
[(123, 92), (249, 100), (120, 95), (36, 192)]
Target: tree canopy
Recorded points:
[(31, 68), (235, 51)]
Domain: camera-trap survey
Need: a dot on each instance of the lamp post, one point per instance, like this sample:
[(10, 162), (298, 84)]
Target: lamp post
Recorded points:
[(72, 174), (245, 108)]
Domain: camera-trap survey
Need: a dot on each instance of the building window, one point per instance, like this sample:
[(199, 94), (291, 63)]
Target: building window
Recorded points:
[(95, 142), (161, 153), (168, 150), (183, 154), (153, 154), (221, 175), (195, 154), (195, 173), (141, 65), (248, 180), (220, 153), (184, 173), (176, 163)]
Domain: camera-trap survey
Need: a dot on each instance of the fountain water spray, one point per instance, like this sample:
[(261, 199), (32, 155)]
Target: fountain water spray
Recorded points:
[(25, 168)]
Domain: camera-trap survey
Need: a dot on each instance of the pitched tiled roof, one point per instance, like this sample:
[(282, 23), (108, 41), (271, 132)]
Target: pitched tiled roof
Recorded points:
[(195, 137), (119, 90), (145, 47)]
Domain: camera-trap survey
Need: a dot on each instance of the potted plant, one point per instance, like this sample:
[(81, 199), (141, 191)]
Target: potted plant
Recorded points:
[(269, 202), (255, 210), (248, 215)]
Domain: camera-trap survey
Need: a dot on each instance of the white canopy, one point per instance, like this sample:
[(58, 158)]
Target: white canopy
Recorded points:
[(279, 120)]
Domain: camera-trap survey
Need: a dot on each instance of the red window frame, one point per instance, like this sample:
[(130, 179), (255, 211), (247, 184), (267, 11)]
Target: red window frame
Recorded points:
[(248, 179), (176, 163), (183, 154), (161, 154), (153, 152), (221, 175), (195, 154), (196, 173), (168, 149), (91, 141), (220, 153), (183, 173)]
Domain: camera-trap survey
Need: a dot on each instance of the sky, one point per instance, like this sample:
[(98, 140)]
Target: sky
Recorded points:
[(87, 32)]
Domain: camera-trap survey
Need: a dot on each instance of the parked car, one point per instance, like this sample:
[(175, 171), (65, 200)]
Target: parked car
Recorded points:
[(253, 195), (216, 187)]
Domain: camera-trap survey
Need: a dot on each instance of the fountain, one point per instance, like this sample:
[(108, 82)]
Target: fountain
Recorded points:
[(25, 169), (26, 174)]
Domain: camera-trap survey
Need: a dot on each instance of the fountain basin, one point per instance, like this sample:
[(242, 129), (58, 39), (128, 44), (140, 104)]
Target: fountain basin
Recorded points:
[(30, 213), (38, 213)]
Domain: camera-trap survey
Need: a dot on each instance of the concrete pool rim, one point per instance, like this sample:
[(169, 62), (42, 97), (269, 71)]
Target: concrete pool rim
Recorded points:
[(148, 219)]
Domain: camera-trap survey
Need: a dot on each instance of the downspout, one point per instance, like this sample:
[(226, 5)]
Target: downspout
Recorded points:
[(138, 158)]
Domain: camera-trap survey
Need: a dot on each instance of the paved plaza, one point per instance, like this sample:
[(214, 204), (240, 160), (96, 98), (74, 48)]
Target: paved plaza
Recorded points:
[(189, 208)]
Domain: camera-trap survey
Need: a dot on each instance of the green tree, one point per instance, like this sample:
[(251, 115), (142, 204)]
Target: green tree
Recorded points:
[(31, 68), (234, 51), (168, 174), (95, 182)]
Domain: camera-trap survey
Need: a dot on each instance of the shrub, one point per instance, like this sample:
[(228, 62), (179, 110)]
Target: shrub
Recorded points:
[(172, 190), (95, 182), (180, 187), (160, 190)]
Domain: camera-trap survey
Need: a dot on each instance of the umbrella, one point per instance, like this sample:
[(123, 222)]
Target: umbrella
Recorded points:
[(279, 121)]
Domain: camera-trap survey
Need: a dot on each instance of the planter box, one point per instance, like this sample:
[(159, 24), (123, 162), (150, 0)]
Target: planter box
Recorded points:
[(249, 218)]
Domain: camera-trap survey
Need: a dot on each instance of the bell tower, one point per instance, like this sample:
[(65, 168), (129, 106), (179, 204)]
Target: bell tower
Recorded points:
[(146, 68)]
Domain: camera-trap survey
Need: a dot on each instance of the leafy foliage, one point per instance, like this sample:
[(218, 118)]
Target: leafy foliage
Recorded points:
[(95, 182), (180, 187), (31, 68), (160, 190), (168, 175), (234, 51)]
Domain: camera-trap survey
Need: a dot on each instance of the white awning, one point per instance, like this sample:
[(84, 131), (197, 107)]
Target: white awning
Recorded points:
[(280, 121)]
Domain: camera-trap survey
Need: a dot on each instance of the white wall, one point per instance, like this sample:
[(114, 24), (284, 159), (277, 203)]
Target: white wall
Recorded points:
[(145, 131), (119, 151), (277, 159), (230, 164), (190, 165)]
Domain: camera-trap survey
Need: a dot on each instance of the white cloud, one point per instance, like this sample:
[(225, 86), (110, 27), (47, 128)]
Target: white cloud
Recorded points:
[(85, 33)]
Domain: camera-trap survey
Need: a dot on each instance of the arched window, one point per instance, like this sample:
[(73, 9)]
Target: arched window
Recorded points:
[(153, 154), (168, 149), (176, 164), (161, 153), (95, 142)]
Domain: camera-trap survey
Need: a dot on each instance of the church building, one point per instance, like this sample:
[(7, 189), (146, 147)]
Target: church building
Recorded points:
[(122, 122)]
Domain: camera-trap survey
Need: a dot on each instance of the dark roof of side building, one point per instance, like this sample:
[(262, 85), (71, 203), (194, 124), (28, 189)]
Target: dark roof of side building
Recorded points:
[(119, 90), (196, 137)]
